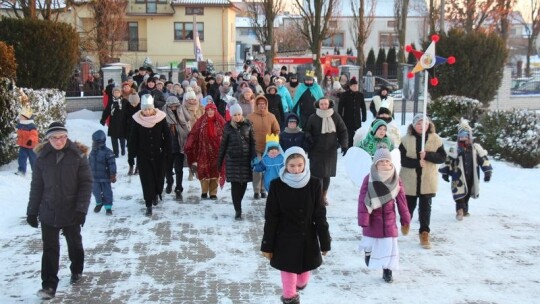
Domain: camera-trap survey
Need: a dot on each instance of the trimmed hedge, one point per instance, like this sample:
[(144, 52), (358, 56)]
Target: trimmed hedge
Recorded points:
[(512, 135), (447, 110), (46, 51)]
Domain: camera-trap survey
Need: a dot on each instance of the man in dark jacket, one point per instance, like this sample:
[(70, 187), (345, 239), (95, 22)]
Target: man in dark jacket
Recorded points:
[(352, 108), (60, 195)]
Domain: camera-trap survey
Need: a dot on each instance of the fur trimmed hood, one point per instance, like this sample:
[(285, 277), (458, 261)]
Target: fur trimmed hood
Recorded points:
[(77, 147)]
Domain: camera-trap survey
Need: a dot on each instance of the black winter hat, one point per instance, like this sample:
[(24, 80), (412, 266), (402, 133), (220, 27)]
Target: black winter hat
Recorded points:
[(55, 128), (353, 81)]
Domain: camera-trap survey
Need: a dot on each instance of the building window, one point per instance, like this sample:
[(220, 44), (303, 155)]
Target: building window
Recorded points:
[(391, 24), (337, 40), (332, 24), (151, 5), (247, 32), (195, 11), (184, 30), (388, 39), (133, 36)]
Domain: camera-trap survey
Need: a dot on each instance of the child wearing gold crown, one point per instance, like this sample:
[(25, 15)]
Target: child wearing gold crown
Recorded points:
[(27, 139), (272, 160)]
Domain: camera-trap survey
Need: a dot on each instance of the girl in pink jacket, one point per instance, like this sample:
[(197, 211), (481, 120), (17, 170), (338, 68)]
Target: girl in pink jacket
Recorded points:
[(381, 191)]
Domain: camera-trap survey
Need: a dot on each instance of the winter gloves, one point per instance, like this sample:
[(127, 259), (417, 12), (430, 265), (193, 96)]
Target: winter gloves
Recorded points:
[(487, 176), (113, 179), (344, 150), (32, 220), (446, 178), (102, 122), (29, 142), (79, 218), (405, 229)]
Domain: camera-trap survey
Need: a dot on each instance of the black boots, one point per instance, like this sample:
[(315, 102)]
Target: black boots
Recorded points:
[(238, 215), (149, 211), (178, 193), (75, 277), (367, 257), (387, 276), (168, 189), (293, 300), (98, 207)]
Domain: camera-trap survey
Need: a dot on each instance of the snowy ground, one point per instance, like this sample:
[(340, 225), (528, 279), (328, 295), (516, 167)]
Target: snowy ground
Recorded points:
[(491, 257)]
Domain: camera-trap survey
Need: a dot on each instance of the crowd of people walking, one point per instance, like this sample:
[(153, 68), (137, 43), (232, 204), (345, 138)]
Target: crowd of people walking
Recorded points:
[(281, 135)]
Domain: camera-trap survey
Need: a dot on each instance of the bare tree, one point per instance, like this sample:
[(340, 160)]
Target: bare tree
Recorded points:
[(289, 39), (533, 30), (401, 9), (502, 13), (262, 16), (32, 9), (109, 31), (361, 26), (314, 25), (470, 15)]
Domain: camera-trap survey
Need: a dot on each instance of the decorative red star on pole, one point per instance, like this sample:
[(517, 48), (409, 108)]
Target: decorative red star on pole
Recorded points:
[(428, 60)]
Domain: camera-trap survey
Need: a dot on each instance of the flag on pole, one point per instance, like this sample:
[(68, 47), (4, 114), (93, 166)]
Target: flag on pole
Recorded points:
[(196, 42)]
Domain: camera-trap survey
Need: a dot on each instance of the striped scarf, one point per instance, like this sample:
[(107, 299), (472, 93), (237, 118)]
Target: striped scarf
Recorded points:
[(381, 189)]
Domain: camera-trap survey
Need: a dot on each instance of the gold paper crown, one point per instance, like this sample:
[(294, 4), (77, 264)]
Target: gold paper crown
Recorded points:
[(310, 73), (272, 138)]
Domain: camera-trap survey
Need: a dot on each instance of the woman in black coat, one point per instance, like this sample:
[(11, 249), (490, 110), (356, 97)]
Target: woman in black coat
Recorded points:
[(325, 131), (295, 231), (149, 142), (115, 110), (237, 149)]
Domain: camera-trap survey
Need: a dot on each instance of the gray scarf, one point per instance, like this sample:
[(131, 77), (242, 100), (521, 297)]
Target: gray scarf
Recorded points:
[(380, 190)]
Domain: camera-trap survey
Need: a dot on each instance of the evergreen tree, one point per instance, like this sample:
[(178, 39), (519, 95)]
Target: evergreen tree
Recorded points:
[(46, 52), (391, 59), (381, 58), (478, 70), (370, 61)]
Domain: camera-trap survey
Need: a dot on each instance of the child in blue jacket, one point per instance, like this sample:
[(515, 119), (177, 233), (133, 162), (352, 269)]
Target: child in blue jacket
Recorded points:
[(103, 165), (272, 160)]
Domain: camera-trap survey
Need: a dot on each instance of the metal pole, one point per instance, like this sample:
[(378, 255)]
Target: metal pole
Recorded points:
[(424, 106)]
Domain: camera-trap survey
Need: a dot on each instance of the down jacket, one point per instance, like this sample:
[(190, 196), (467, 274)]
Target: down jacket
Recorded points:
[(237, 149), (61, 184), (381, 223)]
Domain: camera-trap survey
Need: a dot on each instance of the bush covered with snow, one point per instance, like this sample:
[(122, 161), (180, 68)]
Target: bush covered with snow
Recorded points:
[(48, 105), (446, 111), (513, 136)]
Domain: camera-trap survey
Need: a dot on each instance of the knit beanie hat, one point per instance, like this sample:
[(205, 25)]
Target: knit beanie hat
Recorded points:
[(235, 109), (172, 101), (377, 123), (147, 102), (190, 94), (56, 128), (382, 154), (417, 118), (353, 81)]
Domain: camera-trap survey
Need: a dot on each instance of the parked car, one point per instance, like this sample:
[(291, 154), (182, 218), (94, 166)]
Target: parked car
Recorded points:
[(516, 83), (379, 82), (528, 88)]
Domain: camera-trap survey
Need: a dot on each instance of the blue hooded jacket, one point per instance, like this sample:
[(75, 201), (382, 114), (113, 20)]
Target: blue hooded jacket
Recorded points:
[(270, 166), (102, 159)]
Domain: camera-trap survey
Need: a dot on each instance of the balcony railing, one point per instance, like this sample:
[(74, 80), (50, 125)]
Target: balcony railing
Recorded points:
[(134, 45)]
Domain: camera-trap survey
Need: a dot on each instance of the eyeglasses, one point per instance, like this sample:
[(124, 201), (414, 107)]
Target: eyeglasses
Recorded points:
[(57, 138)]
